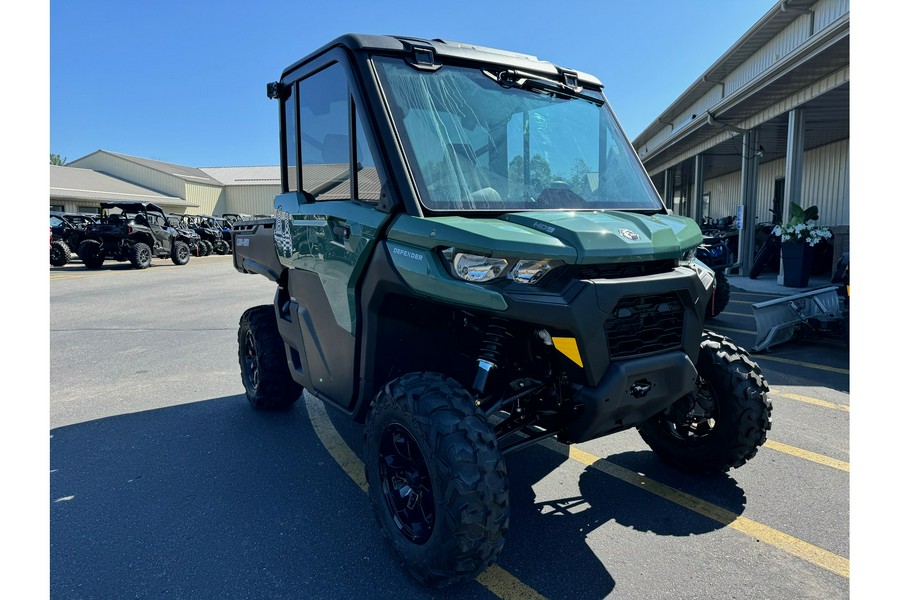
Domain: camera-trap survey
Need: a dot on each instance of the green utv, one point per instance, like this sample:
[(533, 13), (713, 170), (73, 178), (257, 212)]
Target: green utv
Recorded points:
[(470, 259)]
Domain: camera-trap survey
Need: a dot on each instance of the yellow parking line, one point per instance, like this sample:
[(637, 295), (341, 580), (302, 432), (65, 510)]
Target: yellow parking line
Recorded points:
[(814, 401), (800, 363), (334, 443), (495, 579), (807, 455), (818, 556), (505, 585)]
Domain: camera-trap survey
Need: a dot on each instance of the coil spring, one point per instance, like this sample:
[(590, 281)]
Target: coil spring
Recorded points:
[(494, 339)]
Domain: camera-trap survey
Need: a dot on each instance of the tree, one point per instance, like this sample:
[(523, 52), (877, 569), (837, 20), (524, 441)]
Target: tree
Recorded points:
[(56, 160)]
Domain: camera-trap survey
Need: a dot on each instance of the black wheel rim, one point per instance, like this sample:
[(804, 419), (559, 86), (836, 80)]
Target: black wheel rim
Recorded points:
[(693, 418), (251, 361), (144, 256), (406, 483)]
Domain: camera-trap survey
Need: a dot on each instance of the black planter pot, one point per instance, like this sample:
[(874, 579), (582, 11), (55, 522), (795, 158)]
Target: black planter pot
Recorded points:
[(797, 258)]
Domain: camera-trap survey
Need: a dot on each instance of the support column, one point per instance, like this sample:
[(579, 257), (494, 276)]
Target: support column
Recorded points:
[(697, 190), (793, 167), (669, 188), (749, 186)]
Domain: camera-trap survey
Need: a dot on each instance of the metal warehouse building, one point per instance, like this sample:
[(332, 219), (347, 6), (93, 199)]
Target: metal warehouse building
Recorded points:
[(101, 176), (767, 124)]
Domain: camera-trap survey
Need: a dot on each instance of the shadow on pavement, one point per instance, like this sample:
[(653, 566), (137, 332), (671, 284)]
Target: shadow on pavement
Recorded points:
[(213, 499), (548, 537)]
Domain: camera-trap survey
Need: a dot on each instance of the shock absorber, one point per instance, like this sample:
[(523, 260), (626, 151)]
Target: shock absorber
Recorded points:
[(491, 352)]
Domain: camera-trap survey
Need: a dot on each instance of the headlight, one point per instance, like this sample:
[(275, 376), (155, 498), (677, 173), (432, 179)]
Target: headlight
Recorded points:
[(477, 268), (531, 271)]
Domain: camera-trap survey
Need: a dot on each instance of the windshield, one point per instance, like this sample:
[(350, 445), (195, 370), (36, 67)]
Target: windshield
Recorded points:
[(475, 144)]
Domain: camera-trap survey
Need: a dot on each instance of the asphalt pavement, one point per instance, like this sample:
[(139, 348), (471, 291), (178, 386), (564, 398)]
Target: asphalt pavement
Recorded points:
[(165, 483)]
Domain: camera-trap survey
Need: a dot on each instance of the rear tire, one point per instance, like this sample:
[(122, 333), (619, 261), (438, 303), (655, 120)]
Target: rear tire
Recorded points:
[(264, 369), (91, 254), (724, 422), (437, 478), (140, 255), (220, 247), (60, 253)]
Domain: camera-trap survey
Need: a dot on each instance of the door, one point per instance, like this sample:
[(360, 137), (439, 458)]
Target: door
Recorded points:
[(328, 227)]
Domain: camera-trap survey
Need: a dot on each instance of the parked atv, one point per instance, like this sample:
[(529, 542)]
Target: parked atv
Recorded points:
[(67, 231), (715, 253), (191, 238), (471, 260), (134, 232), (209, 233), (224, 226)]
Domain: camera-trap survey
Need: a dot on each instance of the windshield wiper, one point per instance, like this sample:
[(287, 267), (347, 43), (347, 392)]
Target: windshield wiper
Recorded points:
[(528, 82)]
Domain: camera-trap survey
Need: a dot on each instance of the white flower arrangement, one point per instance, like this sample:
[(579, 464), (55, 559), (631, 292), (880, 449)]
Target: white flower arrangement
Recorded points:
[(807, 232), (802, 227)]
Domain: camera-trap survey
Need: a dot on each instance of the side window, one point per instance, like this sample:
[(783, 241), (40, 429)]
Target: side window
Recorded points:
[(368, 181), (325, 134), (289, 107)]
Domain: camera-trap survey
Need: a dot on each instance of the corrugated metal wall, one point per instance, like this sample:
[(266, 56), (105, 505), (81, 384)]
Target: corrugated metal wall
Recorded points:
[(724, 195), (826, 183), (777, 48), (250, 199), (211, 199), (135, 173), (825, 12)]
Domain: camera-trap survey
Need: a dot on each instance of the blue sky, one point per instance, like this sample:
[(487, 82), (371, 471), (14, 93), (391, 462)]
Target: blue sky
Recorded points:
[(184, 82)]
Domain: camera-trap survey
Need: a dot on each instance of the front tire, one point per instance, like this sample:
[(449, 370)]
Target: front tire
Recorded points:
[(60, 254), (437, 478), (181, 253), (721, 297), (264, 370), (220, 247), (724, 422)]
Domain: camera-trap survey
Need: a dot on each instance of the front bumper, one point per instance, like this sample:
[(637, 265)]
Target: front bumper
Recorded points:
[(629, 393)]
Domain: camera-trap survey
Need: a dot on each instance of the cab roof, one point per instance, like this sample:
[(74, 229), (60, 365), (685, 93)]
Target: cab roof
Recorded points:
[(444, 49)]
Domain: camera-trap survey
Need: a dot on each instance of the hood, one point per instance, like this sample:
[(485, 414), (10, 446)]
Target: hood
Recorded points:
[(572, 236), (603, 236)]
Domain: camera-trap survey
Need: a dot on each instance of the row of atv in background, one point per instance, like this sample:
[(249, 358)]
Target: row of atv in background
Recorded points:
[(137, 232)]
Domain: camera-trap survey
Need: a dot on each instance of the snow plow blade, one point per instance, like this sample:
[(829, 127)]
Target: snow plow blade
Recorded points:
[(777, 321)]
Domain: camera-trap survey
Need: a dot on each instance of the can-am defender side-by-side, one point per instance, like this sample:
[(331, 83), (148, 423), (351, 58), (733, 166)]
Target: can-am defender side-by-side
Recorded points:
[(470, 259)]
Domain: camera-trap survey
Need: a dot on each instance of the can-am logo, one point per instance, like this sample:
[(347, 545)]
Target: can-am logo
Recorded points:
[(629, 234)]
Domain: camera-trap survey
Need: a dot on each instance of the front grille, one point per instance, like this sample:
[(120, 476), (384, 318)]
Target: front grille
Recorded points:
[(645, 325), (620, 270)]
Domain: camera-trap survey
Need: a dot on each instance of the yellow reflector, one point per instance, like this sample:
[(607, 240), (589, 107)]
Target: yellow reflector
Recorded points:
[(569, 347)]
